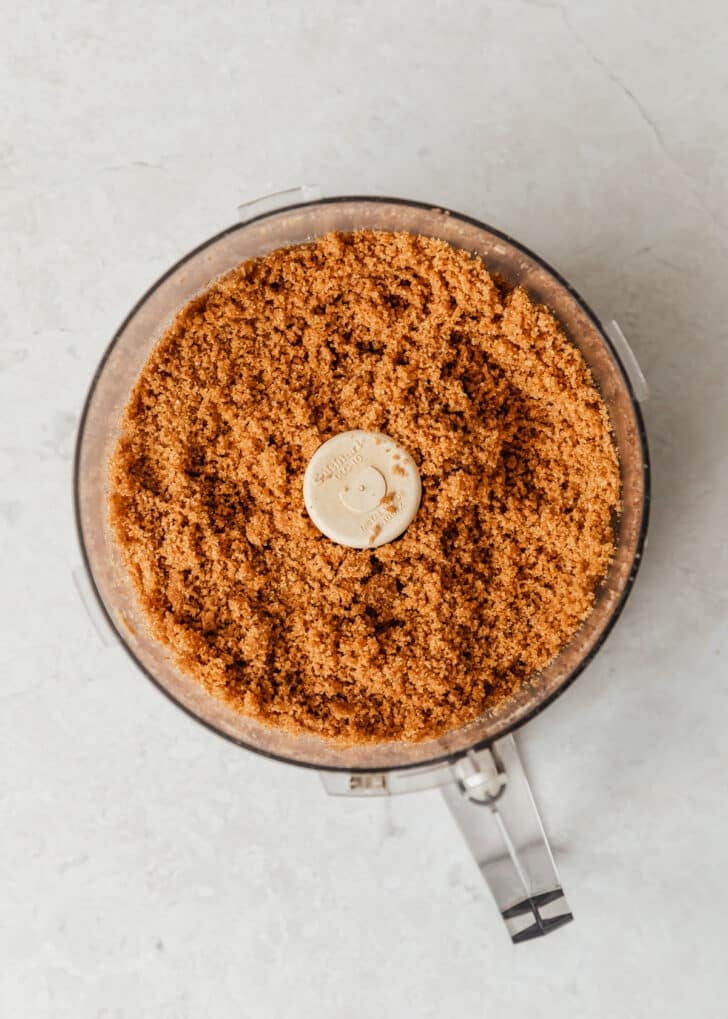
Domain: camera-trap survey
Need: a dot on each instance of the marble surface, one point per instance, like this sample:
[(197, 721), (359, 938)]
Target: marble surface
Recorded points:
[(151, 869)]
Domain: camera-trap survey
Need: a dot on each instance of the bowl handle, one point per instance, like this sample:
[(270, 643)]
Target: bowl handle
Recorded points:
[(489, 796), (494, 808), (262, 204)]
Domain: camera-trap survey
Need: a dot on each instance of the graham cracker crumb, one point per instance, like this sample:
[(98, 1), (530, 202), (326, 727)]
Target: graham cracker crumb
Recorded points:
[(390, 333)]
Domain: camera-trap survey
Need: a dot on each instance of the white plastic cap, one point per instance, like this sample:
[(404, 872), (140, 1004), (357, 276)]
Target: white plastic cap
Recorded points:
[(361, 489)]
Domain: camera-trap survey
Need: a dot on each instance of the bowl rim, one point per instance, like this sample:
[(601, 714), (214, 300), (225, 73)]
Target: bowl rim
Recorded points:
[(505, 729)]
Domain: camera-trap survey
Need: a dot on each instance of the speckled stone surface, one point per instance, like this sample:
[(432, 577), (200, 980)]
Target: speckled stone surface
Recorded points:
[(151, 869)]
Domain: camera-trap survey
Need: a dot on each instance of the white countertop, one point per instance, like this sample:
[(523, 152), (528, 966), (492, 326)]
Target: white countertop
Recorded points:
[(150, 868)]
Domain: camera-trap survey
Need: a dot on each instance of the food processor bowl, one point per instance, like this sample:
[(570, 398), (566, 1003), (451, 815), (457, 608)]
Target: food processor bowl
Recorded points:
[(295, 224)]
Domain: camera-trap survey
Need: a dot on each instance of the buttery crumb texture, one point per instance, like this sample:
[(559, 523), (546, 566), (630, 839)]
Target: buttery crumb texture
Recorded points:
[(391, 333)]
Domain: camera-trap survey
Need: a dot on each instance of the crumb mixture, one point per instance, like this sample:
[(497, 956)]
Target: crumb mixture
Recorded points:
[(391, 333)]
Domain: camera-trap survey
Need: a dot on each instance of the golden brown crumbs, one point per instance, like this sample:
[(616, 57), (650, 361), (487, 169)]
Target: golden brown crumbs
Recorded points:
[(391, 333)]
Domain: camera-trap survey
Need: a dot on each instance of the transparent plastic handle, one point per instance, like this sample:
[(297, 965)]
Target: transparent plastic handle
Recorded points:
[(629, 361), (489, 796), (494, 808), (98, 620), (278, 200)]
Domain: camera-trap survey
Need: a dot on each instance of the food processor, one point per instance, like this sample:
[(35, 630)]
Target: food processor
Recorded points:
[(477, 766)]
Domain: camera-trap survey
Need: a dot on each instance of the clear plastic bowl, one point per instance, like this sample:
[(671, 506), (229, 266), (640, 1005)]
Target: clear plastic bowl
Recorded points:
[(126, 356)]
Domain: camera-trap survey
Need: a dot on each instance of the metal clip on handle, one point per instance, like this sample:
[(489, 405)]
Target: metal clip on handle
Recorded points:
[(492, 803)]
